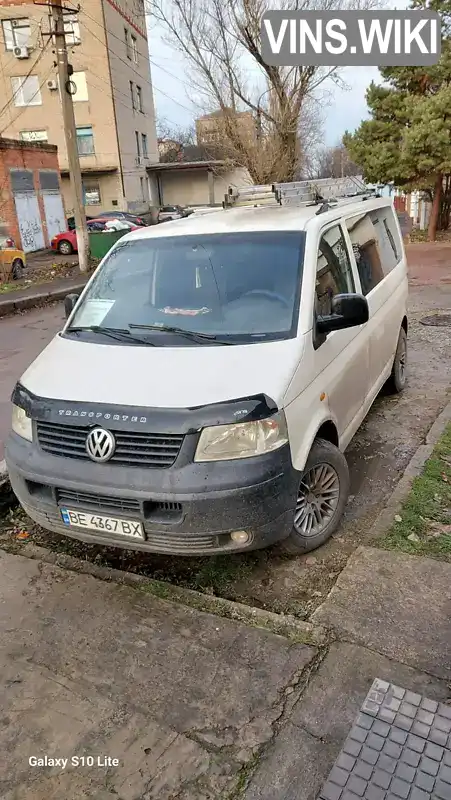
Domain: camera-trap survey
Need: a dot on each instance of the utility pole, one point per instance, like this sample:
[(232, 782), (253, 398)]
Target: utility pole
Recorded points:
[(70, 133)]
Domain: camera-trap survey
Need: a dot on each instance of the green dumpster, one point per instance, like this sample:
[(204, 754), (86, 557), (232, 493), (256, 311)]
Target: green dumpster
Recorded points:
[(100, 243)]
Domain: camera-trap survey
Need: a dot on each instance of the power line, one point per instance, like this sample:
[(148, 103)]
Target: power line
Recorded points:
[(25, 77), (130, 64), (22, 110)]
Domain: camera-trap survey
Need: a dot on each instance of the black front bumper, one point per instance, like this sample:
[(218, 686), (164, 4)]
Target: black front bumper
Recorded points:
[(190, 508)]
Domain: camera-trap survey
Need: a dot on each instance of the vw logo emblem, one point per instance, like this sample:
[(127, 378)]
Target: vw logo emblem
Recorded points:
[(100, 445)]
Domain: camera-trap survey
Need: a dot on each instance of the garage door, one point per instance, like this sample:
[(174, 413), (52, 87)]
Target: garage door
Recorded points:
[(29, 220), (54, 214)]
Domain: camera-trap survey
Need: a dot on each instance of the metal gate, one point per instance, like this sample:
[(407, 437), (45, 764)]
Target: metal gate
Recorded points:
[(54, 214), (29, 219)]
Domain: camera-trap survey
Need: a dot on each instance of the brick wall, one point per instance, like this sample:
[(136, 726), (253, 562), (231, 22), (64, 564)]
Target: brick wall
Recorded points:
[(23, 155)]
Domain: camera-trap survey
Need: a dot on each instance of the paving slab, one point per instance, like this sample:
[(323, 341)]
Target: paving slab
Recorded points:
[(398, 747), (90, 668), (396, 604), (297, 762)]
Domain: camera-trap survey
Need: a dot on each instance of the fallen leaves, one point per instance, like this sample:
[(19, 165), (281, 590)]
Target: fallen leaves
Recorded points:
[(22, 535), (398, 518)]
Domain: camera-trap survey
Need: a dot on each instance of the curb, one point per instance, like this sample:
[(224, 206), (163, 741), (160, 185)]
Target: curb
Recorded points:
[(8, 307), (285, 625), (413, 469)]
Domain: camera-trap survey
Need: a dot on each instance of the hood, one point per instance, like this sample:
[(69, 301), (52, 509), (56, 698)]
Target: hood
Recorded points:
[(161, 377)]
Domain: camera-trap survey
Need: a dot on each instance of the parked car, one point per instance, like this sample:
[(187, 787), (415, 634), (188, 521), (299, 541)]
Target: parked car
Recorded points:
[(138, 221), (66, 242), (12, 258), (214, 379), (167, 213), (71, 222), (135, 220)]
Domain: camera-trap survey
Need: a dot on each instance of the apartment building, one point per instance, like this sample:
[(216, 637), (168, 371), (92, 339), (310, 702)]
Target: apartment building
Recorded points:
[(112, 93), (210, 129)]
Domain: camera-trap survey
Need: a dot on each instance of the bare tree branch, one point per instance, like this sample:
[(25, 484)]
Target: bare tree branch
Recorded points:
[(221, 43)]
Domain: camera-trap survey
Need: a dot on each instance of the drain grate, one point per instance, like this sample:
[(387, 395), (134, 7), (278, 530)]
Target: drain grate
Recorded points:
[(437, 320), (399, 748)]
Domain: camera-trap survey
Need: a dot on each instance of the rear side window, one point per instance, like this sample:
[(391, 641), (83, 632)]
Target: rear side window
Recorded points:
[(333, 270), (376, 244)]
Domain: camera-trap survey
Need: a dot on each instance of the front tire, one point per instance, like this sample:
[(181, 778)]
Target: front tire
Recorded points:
[(17, 269), (398, 378), (323, 493), (65, 247)]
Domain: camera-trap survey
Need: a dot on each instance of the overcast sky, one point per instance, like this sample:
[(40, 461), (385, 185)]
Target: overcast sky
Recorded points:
[(173, 97), (345, 111)]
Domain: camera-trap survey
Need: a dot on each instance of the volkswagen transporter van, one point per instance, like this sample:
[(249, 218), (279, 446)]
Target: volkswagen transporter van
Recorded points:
[(208, 380)]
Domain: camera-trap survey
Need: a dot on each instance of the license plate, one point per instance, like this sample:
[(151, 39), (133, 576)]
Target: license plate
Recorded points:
[(96, 522)]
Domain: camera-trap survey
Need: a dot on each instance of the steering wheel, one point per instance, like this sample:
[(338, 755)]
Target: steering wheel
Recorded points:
[(270, 295)]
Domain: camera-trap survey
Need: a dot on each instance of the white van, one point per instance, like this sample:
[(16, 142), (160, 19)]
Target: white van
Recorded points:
[(208, 380)]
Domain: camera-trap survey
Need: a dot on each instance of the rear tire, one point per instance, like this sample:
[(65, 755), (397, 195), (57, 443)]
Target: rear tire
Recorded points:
[(65, 247), (398, 378), (323, 493), (17, 269)]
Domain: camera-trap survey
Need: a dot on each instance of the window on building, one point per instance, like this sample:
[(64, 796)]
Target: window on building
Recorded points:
[(91, 194), (72, 30), (141, 180), (16, 33), (26, 91), (139, 99), (138, 145), (376, 244), (144, 145), (85, 141), (81, 95), (34, 136), (333, 270), (134, 49), (132, 94), (128, 49)]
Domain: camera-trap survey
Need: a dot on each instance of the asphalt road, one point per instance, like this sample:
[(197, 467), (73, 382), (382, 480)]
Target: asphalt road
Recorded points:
[(22, 337)]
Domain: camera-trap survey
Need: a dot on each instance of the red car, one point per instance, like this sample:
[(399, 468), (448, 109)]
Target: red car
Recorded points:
[(66, 242)]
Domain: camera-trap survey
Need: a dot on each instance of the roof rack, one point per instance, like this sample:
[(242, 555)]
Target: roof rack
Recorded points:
[(327, 191)]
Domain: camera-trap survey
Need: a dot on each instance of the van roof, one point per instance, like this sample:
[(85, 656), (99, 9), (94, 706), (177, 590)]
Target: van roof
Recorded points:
[(263, 218)]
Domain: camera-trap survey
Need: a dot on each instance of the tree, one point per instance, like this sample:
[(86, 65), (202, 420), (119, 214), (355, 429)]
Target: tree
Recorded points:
[(334, 162), (172, 139), (407, 140), (220, 40)]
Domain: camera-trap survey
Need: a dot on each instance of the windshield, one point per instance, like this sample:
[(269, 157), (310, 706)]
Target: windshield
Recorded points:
[(239, 287)]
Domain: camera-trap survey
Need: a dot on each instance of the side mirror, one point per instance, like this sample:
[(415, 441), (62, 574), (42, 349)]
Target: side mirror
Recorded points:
[(348, 311), (70, 302)]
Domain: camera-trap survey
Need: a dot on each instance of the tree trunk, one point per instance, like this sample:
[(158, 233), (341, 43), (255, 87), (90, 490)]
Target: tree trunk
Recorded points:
[(435, 210)]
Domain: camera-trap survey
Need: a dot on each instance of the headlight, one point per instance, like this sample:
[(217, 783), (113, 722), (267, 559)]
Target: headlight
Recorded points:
[(21, 423), (242, 439)]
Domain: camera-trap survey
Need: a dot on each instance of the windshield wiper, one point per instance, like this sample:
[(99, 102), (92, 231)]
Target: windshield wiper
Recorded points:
[(120, 334), (195, 336)]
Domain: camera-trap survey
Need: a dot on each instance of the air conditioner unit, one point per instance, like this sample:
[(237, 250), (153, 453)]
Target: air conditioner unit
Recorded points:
[(52, 85), (21, 52)]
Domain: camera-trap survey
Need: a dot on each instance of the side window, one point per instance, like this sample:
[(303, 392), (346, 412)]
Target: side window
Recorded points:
[(333, 270), (376, 244)]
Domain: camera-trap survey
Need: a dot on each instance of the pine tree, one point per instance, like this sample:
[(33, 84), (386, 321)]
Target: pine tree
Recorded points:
[(407, 140)]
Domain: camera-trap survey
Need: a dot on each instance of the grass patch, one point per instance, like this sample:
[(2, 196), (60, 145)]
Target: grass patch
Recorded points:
[(425, 516), (7, 287)]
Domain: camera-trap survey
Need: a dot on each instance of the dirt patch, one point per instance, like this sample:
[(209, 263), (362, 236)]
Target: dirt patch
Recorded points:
[(378, 455), (46, 267)]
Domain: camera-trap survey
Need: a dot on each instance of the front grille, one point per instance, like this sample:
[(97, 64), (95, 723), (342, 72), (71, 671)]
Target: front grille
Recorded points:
[(69, 497), (133, 449)]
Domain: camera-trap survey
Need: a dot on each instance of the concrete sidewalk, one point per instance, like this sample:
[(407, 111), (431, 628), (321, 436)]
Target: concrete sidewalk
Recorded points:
[(194, 706), (181, 698)]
